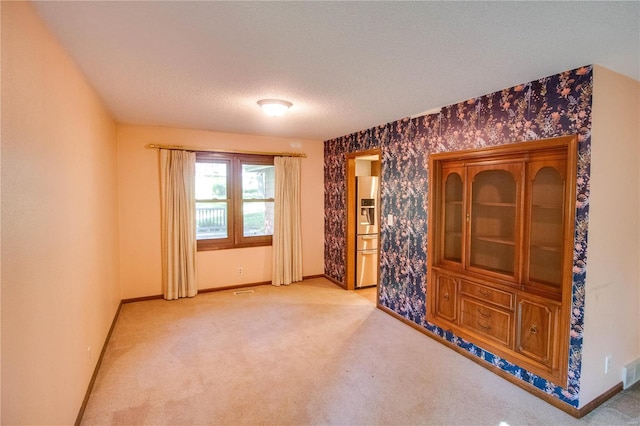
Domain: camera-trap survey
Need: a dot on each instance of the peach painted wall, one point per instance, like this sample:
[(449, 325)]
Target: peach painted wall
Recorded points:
[(139, 192), (60, 289), (0, 229), (612, 287)]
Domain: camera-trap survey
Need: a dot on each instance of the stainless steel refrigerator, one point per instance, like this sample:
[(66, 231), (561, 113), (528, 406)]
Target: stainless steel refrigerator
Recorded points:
[(367, 231)]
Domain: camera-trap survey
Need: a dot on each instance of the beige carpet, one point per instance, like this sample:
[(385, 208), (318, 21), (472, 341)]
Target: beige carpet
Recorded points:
[(310, 353)]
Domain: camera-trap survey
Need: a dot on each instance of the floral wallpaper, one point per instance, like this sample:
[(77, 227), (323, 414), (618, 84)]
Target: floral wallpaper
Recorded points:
[(549, 107)]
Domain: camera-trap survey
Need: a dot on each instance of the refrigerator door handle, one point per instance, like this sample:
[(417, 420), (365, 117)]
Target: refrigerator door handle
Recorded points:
[(366, 268)]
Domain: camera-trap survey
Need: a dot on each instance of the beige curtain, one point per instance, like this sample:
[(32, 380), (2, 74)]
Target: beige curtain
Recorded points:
[(287, 237), (177, 186)]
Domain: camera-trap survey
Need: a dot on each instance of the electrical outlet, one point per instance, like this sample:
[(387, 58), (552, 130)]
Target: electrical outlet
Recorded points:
[(608, 363), (240, 270)]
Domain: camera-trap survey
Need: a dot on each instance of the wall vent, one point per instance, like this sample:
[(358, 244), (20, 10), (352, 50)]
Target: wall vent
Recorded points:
[(242, 292), (631, 373)]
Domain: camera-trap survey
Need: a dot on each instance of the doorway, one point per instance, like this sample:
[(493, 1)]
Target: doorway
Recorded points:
[(362, 263)]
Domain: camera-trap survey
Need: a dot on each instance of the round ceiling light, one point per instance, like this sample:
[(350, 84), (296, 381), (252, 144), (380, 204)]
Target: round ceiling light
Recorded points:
[(274, 107)]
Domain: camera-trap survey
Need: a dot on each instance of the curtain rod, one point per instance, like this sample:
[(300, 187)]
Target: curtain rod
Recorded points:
[(225, 151)]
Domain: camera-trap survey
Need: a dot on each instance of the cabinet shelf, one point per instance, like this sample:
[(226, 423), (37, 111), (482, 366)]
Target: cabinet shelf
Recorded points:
[(550, 248), (495, 239), (547, 206), (492, 204), (500, 271)]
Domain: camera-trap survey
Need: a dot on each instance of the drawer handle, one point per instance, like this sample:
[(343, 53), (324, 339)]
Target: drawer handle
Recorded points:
[(484, 326), (533, 329), (446, 296), (482, 314), (484, 293)]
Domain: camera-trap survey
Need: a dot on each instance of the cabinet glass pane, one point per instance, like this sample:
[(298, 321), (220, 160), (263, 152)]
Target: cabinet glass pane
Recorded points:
[(546, 232), (453, 218), (493, 221)]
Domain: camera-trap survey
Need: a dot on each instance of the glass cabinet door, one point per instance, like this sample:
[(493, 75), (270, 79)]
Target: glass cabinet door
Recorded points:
[(453, 220), (546, 219), (493, 217)]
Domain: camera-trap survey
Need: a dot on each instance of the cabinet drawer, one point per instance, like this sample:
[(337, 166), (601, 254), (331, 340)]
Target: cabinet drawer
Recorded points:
[(487, 294), (488, 321)]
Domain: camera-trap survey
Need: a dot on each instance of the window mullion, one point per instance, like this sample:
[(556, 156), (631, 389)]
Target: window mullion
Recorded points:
[(230, 201), (237, 191)]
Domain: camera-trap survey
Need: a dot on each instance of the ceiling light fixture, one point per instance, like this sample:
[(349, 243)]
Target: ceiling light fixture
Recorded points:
[(274, 107)]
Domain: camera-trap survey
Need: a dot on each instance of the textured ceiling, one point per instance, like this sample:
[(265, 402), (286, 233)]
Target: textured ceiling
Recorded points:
[(346, 66)]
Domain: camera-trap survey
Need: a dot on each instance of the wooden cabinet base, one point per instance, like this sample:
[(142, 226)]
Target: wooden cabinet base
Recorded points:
[(525, 332)]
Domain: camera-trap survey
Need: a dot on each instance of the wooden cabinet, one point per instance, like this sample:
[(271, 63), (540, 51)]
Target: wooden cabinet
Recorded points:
[(501, 226)]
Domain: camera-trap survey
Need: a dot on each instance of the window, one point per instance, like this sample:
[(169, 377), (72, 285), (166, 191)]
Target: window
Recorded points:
[(234, 200)]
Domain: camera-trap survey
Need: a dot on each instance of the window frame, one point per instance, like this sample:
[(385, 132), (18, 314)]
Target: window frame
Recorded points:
[(235, 233)]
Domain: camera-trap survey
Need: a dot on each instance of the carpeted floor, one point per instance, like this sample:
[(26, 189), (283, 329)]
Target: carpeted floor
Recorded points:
[(310, 353), (369, 293)]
